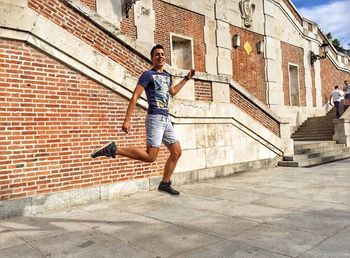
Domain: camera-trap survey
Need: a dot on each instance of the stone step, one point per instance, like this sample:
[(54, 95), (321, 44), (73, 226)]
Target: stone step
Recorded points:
[(317, 124), (319, 149), (324, 153), (301, 145), (320, 119), (325, 124), (313, 138), (311, 128), (315, 132), (314, 161)]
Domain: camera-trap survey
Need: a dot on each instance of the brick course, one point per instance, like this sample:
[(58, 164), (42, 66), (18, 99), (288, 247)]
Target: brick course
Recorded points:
[(127, 24), (52, 118), (90, 3), (203, 90), (249, 70), (254, 111), (331, 76)]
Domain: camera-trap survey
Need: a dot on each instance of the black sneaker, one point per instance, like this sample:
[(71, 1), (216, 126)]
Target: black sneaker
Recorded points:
[(166, 187), (107, 150)]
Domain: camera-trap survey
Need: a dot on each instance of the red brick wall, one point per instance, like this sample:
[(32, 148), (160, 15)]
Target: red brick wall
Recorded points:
[(90, 3), (249, 70), (330, 77), (127, 25), (203, 90), (170, 18), (295, 56), (254, 111), (51, 119), (85, 30)]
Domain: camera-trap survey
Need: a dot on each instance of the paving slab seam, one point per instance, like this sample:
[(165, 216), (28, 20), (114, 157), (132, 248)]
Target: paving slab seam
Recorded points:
[(25, 244), (312, 200), (210, 211), (28, 243), (252, 246), (211, 245), (37, 250), (319, 243), (247, 191), (181, 226), (113, 237), (163, 221), (216, 236), (293, 228), (195, 249), (217, 213)]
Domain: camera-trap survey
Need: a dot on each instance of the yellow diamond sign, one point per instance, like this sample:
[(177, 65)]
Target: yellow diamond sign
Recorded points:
[(248, 48)]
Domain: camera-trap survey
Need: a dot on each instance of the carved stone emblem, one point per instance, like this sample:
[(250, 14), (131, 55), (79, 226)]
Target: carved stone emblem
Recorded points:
[(247, 10)]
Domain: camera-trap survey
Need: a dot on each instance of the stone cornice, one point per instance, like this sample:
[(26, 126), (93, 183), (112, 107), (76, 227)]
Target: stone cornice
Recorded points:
[(316, 39)]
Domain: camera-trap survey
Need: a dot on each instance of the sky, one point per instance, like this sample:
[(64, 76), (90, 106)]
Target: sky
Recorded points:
[(331, 15)]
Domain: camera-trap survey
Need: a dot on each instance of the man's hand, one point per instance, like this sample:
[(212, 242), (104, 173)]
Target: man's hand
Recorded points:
[(126, 127), (190, 74)]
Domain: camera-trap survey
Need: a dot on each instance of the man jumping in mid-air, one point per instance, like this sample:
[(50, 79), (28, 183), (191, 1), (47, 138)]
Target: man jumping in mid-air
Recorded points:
[(158, 86)]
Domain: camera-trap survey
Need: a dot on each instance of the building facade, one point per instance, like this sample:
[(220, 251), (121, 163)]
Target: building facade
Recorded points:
[(69, 67)]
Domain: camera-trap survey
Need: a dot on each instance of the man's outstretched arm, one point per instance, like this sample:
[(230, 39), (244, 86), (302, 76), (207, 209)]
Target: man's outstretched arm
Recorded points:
[(175, 89), (132, 104)]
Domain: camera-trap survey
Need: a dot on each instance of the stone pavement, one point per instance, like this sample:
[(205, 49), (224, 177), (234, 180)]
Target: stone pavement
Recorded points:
[(279, 212)]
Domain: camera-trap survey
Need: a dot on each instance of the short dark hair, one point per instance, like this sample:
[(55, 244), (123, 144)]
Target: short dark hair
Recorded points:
[(156, 47), (336, 87)]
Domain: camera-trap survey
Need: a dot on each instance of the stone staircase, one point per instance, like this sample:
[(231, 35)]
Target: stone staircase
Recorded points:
[(319, 128), (313, 144)]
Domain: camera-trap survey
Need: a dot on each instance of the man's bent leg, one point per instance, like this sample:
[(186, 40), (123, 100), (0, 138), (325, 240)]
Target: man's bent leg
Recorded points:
[(139, 154)]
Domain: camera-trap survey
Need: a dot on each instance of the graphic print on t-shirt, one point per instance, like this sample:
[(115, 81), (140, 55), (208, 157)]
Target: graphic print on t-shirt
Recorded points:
[(161, 88)]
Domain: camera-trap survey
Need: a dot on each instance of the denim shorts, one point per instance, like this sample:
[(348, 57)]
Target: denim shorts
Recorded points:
[(347, 96), (159, 129)]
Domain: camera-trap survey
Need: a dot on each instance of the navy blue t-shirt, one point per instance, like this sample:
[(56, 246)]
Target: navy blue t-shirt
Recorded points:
[(157, 85)]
